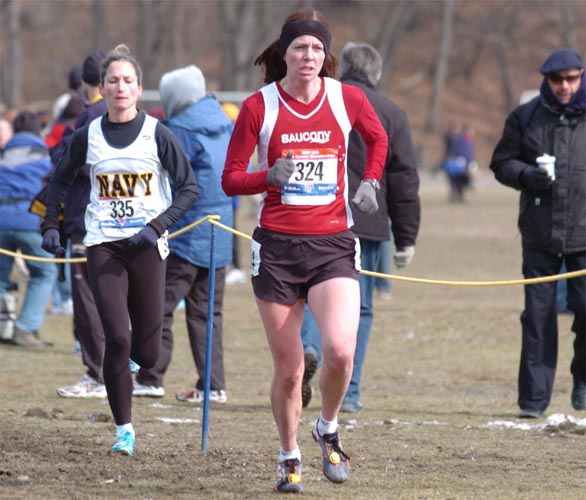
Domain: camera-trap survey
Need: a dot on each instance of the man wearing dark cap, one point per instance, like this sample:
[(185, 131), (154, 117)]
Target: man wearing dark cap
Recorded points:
[(87, 326), (90, 71), (542, 154)]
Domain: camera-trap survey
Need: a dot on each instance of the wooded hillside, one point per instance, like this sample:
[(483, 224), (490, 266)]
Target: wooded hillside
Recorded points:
[(445, 60)]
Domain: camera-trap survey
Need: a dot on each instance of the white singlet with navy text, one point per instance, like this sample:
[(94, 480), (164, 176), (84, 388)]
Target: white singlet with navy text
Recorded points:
[(129, 187)]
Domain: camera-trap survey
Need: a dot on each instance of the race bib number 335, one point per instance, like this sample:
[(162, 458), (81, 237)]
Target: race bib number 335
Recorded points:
[(121, 213)]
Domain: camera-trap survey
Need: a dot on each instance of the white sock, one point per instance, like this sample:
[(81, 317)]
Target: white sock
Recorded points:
[(123, 429), (325, 426), (288, 455)]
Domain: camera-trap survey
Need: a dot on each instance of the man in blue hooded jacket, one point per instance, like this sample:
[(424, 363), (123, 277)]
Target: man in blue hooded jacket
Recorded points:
[(24, 164), (204, 130)]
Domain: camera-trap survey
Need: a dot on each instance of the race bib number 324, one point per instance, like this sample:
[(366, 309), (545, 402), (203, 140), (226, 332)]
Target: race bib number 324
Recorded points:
[(314, 181)]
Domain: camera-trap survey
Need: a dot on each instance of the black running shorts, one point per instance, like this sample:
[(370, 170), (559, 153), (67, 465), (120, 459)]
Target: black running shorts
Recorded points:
[(285, 266)]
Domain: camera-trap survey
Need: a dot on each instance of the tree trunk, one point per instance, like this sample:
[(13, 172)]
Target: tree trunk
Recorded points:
[(248, 27), (145, 40), (388, 34), (11, 79), (509, 99), (100, 25), (441, 70), (568, 25)]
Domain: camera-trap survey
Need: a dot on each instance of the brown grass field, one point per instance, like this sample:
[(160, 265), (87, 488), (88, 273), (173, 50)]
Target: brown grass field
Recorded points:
[(439, 387)]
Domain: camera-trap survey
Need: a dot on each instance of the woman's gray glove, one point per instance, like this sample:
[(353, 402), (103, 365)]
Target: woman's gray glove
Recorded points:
[(280, 172), (365, 198)]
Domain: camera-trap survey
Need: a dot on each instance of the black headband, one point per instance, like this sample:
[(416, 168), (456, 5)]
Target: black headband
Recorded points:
[(304, 27)]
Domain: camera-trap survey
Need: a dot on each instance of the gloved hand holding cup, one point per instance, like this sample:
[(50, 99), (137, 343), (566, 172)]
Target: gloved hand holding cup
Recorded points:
[(547, 163)]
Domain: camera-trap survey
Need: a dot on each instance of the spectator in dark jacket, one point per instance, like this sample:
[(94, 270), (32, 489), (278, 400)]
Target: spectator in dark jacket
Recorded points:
[(23, 166), (87, 327), (398, 199), (552, 221)]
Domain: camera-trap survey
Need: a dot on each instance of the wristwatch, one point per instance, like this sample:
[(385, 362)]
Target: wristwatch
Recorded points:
[(373, 182)]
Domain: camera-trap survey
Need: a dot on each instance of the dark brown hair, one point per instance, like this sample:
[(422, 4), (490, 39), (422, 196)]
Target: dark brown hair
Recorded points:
[(27, 121), (274, 65)]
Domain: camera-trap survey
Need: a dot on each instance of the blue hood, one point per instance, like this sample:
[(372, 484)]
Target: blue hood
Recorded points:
[(216, 122), (25, 139)]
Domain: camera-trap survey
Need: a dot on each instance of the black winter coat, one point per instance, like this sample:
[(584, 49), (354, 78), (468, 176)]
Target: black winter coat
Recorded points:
[(78, 195), (552, 220), (399, 194)]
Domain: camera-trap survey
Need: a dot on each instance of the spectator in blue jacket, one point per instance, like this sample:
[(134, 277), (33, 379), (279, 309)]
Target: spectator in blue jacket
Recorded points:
[(24, 164), (460, 163), (204, 130)]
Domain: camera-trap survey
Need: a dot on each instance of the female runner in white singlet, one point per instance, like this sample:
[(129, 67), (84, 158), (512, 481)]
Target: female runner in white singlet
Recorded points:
[(131, 157)]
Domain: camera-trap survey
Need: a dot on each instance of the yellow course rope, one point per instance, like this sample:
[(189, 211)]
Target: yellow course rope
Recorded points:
[(213, 219)]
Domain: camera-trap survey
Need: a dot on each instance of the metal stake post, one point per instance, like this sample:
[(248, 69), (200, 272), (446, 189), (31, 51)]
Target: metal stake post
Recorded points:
[(209, 337)]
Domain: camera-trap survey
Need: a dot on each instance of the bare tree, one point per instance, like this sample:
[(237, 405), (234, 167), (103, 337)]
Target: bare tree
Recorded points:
[(568, 25), (11, 80), (441, 70), (502, 47), (100, 24), (145, 38), (238, 19), (248, 27), (386, 39), (165, 47)]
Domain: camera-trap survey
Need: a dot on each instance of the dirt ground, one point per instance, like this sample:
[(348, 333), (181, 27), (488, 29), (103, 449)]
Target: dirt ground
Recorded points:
[(439, 388)]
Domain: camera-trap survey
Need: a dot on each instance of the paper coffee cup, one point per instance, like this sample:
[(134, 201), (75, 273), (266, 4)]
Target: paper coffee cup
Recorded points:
[(547, 163)]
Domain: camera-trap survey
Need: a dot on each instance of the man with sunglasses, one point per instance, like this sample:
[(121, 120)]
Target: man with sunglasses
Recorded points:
[(552, 222)]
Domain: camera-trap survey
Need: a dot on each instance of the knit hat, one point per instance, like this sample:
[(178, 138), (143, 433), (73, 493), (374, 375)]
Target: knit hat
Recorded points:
[(561, 60), (74, 78), (90, 72), (180, 89)]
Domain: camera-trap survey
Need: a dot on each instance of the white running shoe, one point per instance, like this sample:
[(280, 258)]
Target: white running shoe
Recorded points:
[(85, 387), (196, 396), (235, 276), (65, 308), (147, 391)]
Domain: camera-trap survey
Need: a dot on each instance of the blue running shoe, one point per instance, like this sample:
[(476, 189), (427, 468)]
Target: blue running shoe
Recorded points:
[(124, 445), (134, 366), (289, 477)]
